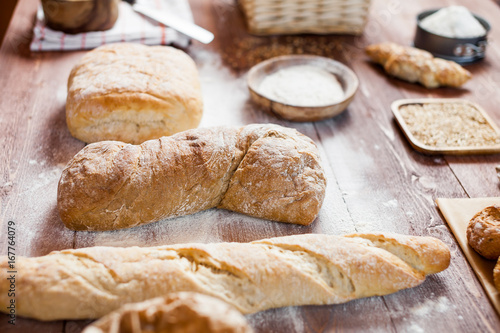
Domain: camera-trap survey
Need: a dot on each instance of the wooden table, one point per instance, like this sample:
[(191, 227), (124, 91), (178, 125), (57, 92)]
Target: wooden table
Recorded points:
[(376, 181)]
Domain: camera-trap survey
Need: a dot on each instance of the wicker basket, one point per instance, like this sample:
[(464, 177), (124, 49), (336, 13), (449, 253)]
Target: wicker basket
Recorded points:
[(269, 17)]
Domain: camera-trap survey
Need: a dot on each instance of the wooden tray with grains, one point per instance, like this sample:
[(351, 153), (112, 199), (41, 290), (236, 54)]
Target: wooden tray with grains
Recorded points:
[(446, 126)]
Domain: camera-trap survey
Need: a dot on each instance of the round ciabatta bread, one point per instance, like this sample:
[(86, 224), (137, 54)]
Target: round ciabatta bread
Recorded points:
[(182, 312), (310, 269), (133, 93), (266, 171)]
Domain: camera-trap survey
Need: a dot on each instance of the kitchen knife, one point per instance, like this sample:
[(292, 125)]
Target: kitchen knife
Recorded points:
[(187, 28)]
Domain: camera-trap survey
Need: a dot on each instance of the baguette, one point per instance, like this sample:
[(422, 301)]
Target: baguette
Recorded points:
[(182, 312), (266, 171), (415, 65), (283, 271)]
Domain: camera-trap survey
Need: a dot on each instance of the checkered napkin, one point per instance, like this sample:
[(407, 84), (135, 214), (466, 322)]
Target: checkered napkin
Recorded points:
[(130, 27)]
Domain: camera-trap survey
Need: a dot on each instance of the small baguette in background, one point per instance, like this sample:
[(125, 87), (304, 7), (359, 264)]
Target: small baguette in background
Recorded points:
[(182, 312), (416, 65), (266, 171), (91, 282)]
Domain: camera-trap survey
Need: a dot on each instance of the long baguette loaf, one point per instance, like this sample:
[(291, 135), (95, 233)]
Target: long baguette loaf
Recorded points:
[(266, 171), (283, 271)]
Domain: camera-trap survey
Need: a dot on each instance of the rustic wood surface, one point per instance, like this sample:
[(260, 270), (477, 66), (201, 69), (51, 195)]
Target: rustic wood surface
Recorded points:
[(376, 181)]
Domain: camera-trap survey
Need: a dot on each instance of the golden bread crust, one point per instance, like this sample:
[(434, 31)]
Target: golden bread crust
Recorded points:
[(266, 171), (182, 312), (483, 232), (415, 65), (91, 282), (132, 93)]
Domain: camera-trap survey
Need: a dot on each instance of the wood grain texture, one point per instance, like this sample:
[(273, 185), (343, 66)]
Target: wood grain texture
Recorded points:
[(376, 181)]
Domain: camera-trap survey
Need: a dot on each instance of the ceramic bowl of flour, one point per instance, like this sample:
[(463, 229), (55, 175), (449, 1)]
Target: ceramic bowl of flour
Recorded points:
[(302, 87), (453, 34)]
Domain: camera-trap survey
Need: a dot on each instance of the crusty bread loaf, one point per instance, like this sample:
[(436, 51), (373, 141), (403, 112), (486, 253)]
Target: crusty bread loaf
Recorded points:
[(416, 65), (283, 271), (483, 232), (132, 93), (267, 171), (183, 312)]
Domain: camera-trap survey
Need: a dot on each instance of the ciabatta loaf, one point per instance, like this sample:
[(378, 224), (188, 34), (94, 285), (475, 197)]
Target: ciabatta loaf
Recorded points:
[(267, 171), (133, 93), (283, 271)]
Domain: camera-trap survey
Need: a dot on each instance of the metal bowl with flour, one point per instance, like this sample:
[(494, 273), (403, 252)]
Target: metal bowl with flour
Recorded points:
[(461, 50)]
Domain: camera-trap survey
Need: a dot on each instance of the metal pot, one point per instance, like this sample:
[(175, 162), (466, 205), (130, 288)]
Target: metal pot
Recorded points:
[(460, 50)]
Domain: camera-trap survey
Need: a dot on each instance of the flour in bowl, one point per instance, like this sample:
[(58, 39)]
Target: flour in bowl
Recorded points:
[(303, 85), (453, 22)]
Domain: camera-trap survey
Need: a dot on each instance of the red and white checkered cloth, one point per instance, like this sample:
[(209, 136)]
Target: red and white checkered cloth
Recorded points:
[(130, 27)]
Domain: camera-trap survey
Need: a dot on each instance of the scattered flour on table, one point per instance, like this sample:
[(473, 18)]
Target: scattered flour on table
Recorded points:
[(365, 226), (391, 203), (427, 182), (43, 178), (193, 228), (35, 162), (223, 91), (453, 22), (201, 227), (36, 216), (429, 308), (439, 305), (287, 318), (414, 328), (303, 85)]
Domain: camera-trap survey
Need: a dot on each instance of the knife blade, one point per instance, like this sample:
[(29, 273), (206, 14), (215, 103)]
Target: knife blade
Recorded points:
[(187, 28)]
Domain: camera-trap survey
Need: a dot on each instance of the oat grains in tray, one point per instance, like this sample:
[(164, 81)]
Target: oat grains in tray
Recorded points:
[(133, 93)]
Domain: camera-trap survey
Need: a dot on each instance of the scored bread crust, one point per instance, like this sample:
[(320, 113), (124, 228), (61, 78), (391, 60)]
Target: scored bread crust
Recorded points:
[(284, 271), (132, 93), (483, 232), (182, 312), (266, 171)]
